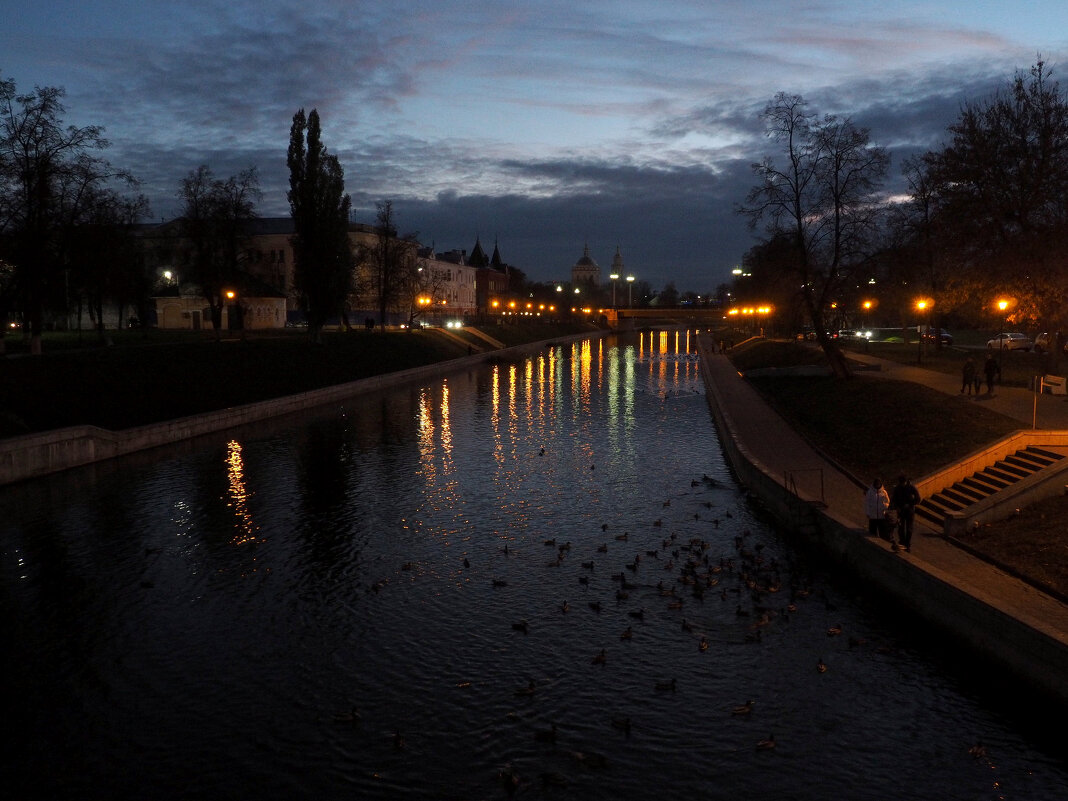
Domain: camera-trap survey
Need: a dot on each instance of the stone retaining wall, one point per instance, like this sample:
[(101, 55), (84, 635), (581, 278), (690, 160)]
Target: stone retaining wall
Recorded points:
[(1026, 647), (37, 455)]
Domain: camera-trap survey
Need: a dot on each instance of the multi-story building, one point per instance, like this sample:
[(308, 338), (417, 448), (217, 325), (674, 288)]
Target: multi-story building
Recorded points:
[(441, 286)]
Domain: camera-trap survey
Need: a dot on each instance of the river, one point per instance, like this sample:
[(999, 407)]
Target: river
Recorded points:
[(536, 578)]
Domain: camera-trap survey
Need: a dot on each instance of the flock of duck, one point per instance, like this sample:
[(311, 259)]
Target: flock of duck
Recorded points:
[(663, 573)]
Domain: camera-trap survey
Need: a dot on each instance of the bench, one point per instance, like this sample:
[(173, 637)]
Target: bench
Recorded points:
[(1055, 384)]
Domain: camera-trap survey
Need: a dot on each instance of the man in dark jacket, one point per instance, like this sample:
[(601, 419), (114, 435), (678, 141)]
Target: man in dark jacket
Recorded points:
[(991, 368), (904, 500)]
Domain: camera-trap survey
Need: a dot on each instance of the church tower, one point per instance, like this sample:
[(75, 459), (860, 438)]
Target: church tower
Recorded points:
[(586, 270)]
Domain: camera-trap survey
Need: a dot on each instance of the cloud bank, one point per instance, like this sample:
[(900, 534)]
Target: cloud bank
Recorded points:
[(546, 126)]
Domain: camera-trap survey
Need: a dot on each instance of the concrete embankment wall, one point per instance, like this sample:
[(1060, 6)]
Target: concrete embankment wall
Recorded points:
[(1026, 647), (37, 455)]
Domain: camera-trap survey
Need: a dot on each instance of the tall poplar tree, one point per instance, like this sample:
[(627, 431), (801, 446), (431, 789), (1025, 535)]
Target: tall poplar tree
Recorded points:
[(320, 208)]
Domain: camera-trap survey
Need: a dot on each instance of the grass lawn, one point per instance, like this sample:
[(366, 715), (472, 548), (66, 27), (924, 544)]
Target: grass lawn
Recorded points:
[(1018, 367), (165, 375), (883, 427)]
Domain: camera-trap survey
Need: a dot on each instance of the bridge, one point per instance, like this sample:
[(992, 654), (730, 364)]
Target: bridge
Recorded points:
[(688, 317)]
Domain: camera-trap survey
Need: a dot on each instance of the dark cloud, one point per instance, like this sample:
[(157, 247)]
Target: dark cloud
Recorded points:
[(672, 225), (638, 122)]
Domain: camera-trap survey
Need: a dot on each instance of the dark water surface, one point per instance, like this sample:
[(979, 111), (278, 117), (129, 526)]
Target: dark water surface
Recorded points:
[(188, 624)]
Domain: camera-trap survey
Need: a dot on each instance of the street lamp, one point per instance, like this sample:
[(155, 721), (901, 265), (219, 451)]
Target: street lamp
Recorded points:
[(630, 291), (867, 305), (1004, 306), (614, 277), (922, 306)]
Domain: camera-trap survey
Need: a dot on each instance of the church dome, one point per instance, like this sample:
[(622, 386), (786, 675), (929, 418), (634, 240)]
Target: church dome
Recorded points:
[(586, 270), (586, 260)]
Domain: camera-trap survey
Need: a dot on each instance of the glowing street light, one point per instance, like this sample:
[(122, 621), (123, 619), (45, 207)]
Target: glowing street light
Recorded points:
[(1004, 306), (630, 291), (923, 305), (614, 277)]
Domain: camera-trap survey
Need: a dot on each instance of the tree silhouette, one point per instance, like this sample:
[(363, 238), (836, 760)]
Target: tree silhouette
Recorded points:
[(320, 208)]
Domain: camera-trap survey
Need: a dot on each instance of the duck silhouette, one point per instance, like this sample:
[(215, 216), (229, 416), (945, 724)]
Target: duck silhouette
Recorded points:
[(352, 716), (743, 709)]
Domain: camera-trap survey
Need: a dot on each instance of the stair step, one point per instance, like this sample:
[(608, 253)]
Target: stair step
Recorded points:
[(939, 501), (928, 514), (984, 484), (1052, 456), (957, 497), (1000, 475), (1011, 469), (970, 491), (1023, 463), (1032, 461)]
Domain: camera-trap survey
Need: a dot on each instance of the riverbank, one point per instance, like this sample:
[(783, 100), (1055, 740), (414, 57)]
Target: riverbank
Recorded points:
[(1007, 621), (37, 454)]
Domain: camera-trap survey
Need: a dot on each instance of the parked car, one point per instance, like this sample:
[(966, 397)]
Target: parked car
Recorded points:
[(930, 334), (1044, 341), (1013, 341)]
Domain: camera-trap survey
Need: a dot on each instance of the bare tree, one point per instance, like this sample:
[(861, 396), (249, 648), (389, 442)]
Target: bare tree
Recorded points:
[(214, 222), (422, 288), (823, 198), (48, 173), (389, 261), (108, 266)]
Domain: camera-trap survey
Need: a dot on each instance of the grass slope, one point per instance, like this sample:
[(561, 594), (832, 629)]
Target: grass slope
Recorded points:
[(873, 426)]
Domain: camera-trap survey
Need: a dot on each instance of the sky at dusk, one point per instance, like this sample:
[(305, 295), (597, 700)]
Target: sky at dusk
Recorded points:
[(542, 124)]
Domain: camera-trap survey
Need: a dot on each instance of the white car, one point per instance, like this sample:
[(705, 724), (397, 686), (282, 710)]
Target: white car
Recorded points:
[(1013, 341)]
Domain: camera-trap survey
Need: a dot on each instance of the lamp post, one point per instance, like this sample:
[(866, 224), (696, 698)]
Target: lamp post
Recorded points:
[(614, 277), (630, 291), (922, 305), (1003, 304), (866, 333)]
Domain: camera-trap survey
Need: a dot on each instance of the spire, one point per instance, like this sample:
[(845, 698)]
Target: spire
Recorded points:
[(495, 259), (617, 261), (478, 256)]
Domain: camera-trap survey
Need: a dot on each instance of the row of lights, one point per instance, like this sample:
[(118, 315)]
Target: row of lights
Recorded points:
[(750, 310), (514, 308)]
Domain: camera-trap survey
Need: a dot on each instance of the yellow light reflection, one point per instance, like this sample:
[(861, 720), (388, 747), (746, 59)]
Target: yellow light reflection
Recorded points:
[(426, 435), (239, 495), (446, 430)]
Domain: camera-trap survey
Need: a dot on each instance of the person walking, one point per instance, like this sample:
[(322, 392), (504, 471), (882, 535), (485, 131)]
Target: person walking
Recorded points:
[(904, 500), (876, 505), (991, 369), (968, 376)]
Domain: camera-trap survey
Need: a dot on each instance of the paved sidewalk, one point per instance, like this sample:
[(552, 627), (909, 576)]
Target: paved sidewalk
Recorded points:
[(768, 442), (1050, 412)]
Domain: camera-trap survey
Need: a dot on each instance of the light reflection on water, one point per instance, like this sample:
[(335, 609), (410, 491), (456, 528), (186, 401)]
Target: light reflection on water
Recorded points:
[(188, 625)]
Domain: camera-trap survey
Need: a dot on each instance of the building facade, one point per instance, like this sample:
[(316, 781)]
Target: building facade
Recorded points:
[(436, 288)]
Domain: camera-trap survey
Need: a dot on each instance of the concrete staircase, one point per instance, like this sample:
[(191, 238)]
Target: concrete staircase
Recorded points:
[(984, 483)]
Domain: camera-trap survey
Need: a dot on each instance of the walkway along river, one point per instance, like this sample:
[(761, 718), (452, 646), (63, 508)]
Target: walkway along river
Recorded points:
[(534, 578)]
